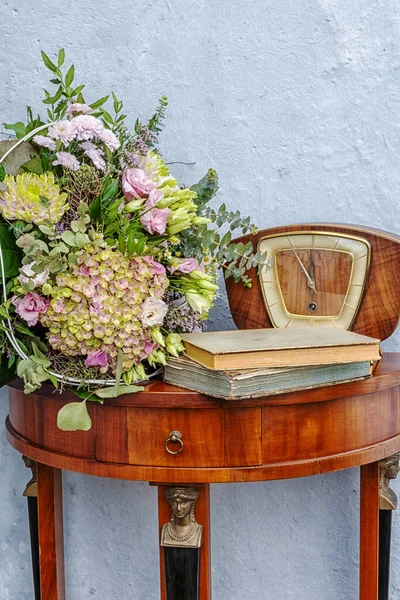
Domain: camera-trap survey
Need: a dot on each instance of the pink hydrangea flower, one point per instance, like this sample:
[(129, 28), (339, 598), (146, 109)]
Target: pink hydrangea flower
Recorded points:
[(155, 221), (78, 108), (159, 269), (87, 127), (136, 184), (45, 142), (67, 160), (109, 138), (186, 265), (96, 359), (29, 307), (149, 347), (63, 130)]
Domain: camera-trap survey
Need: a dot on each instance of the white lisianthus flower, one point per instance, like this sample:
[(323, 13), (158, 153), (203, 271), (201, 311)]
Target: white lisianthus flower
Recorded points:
[(198, 302), (153, 312), (26, 273)]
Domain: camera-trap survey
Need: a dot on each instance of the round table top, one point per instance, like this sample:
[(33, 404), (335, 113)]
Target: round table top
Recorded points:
[(274, 437)]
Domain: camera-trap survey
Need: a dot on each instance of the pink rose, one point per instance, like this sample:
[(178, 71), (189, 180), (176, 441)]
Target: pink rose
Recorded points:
[(136, 184), (187, 265), (154, 197), (96, 359), (155, 221), (29, 307)]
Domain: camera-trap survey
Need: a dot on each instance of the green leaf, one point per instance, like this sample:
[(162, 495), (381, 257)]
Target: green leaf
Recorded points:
[(10, 251), (131, 243), (74, 417), (122, 243), (118, 370), (2, 172), (8, 369), (81, 239), (49, 64), (87, 395), (70, 76), (33, 166), (99, 102), (61, 57), (107, 117), (18, 128), (111, 392), (206, 188), (69, 238), (77, 90)]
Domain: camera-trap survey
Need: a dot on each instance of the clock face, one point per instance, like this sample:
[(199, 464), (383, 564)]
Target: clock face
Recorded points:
[(317, 279)]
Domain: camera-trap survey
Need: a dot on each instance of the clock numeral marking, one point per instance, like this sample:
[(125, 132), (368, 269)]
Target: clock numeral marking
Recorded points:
[(348, 306)]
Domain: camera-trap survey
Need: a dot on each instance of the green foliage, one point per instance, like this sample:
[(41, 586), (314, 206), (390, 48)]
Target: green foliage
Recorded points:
[(8, 369), (10, 251), (108, 193), (155, 124), (112, 392), (18, 128), (33, 370), (74, 417), (206, 188)]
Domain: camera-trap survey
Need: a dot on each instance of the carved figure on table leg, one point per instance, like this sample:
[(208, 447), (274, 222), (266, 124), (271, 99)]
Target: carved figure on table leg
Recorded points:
[(183, 529), (31, 486), (389, 470)]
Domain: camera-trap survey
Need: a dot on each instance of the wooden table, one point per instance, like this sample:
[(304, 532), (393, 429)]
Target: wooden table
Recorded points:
[(276, 437)]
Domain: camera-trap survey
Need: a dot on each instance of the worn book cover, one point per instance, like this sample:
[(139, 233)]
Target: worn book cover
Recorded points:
[(252, 383), (279, 347)]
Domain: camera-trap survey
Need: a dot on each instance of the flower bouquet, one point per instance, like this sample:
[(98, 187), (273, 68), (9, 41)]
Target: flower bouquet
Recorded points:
[(104, 258)]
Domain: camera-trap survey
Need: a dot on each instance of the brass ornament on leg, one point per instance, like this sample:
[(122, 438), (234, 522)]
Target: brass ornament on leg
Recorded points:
[(183, 529), (31, 486), (389, 470)]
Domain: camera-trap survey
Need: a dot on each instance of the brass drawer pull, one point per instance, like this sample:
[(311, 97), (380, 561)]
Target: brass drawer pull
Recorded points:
[(175, 437)]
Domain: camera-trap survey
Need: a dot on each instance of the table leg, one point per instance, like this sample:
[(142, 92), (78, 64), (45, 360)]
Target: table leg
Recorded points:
[(202, 509), (50, 525), (369, 531)]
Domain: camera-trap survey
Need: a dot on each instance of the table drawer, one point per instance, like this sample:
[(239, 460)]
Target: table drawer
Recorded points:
[(210, 437)]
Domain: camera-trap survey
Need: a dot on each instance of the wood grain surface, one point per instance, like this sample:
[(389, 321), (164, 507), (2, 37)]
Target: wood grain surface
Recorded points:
[(369, 531), (275, 437), (50, 525)]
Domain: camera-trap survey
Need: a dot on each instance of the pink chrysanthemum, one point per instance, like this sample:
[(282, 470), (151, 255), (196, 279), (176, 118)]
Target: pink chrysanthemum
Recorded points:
[(67, 160), (63, 130), (87, 127), (44, 141), (95, 154), (79, 108), (110, 139)]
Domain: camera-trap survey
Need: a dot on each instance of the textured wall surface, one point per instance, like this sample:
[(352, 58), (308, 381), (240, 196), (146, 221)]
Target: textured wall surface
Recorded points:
[(297, 106)]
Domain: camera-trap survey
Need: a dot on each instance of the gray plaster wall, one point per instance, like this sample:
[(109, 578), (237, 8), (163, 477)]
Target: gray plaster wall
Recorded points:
[(297, 106)]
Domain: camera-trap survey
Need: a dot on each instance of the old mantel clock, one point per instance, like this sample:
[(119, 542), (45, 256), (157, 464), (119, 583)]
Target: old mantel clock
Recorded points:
[(323, 275)]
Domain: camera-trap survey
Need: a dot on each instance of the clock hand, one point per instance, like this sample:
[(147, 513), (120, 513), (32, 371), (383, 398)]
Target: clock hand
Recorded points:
[(311, 271), (310, 281)]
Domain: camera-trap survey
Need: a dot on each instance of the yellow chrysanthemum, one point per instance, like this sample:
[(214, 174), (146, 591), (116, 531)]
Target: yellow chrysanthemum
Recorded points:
[(32, 198)]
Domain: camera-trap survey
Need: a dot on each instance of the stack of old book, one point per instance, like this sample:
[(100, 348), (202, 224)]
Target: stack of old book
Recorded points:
[(260, 362)]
